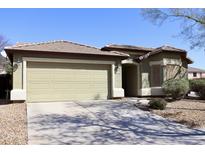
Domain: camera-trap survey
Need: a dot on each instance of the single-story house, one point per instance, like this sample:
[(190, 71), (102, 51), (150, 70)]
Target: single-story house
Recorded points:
[(63, 70), (195, 73)]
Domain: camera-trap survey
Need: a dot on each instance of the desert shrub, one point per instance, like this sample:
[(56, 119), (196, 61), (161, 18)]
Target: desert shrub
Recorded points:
[(176, 88), (198, 85), (158, 104)]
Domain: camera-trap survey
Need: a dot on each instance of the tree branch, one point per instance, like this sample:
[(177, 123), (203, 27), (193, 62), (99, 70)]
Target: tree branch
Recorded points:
[(188, 17)]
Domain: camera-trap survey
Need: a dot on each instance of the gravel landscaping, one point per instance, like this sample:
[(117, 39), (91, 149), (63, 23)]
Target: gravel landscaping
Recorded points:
[(13, 123), (187, 111)]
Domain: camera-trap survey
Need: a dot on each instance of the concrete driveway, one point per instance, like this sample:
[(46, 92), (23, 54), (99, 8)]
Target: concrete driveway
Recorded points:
[(103, 122)]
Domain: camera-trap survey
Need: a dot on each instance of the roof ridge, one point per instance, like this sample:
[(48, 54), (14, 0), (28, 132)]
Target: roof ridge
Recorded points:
[(81, 44), (170, 46), (48, 42), (34, 43)]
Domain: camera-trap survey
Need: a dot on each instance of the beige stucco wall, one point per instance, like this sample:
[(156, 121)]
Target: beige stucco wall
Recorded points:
[(18, 74), (145, 71), (178, 71), (191, 76)]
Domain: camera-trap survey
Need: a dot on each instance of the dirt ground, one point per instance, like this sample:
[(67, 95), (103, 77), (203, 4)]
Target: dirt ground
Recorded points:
[(186, 111), (13, 123)]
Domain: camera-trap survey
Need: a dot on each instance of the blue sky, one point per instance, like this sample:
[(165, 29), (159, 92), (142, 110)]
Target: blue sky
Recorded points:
[(95, 27)]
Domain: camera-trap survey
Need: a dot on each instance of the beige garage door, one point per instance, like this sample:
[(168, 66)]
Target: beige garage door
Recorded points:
[(64, 81)]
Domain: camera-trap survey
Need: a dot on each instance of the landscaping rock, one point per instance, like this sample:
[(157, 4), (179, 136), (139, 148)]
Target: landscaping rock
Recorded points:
[(187, 111), (13, 123)]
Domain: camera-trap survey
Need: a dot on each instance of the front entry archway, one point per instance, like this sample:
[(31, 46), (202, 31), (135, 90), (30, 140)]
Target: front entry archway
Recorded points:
[(130, 79)]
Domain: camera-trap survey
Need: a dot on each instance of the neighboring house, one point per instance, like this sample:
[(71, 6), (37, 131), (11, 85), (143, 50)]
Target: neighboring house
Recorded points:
[(62, 70), (195, 73)]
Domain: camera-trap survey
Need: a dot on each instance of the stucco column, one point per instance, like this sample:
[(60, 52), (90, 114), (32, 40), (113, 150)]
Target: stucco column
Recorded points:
[(112, 79), (24, 75)]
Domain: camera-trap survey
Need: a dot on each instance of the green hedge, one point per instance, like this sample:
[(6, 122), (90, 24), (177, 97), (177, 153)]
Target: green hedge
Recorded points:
[(176, 88), (198, 85)]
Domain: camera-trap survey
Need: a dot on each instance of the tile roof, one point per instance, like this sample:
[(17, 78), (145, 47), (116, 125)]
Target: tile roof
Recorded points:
[(62, 46), (125, 47), (150, 51), (163, 49), (193, 69), (170, 48)]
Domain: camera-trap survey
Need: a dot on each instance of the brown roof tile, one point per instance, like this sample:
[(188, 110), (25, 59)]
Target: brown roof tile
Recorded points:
[(62, 47), (163, 49)]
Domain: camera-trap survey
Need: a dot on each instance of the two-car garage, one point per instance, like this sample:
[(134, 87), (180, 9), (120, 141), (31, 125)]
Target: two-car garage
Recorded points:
[(67, 81)]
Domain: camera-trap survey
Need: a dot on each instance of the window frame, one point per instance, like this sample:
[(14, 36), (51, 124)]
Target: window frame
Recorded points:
[(194, 74), (152, 83)]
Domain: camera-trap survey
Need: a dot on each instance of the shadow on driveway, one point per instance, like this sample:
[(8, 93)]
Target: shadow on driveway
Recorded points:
[(108, 122)]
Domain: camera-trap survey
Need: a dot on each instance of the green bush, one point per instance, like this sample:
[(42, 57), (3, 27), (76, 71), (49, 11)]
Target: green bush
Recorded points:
[(158, 104), (176, 88), (198, 85)]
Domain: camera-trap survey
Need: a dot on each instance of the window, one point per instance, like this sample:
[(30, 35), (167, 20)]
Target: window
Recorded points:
[(156, 75), (194, 74)]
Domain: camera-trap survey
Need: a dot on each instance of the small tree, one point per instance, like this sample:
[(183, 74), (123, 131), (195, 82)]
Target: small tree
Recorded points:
[(8, 68), (7, 65), (176, 88), (198, 85)]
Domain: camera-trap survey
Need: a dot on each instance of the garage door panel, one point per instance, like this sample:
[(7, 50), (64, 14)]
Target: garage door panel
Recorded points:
[(58, 81)]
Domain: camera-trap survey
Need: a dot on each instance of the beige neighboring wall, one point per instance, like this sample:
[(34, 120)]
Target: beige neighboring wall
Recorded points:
[(18, 72), (198, 75)]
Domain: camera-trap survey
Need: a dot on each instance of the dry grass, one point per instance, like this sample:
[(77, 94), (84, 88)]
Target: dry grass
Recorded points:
[(13, 123), (189, 112)]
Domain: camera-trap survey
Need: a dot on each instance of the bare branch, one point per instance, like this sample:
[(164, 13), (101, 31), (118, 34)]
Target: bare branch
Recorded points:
[(3, 42), (192, 21)]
